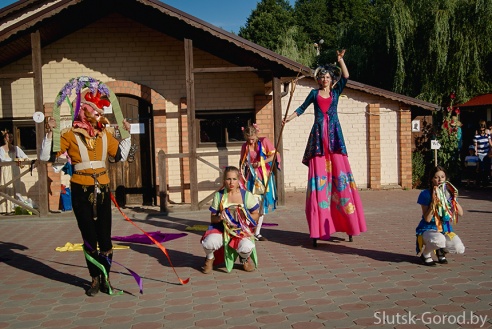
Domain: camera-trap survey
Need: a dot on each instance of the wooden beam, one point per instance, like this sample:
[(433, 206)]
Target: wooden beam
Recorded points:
[(201, 154), (162, 182), (210, 164), (190, 97), (18, 75), (224, 69), (19, 203), (277, 124), (37, 68)]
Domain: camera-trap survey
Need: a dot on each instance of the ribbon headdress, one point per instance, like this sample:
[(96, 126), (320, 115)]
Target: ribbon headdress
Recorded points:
[(96, 89), (332, 69)]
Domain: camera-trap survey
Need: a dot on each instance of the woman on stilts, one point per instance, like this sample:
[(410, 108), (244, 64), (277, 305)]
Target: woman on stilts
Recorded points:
[(332, 200)]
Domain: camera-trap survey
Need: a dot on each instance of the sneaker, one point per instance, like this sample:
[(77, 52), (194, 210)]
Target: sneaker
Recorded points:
[(260, 237)]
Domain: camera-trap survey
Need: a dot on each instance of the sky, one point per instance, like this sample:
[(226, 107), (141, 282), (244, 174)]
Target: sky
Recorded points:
[(229, 15)]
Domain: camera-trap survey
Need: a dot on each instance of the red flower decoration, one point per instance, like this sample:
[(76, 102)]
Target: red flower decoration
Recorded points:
[(457, 111), (452, 95)]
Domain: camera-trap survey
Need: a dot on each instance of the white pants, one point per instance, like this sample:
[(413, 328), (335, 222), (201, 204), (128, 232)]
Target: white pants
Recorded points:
[(434, 240), (214, 241)]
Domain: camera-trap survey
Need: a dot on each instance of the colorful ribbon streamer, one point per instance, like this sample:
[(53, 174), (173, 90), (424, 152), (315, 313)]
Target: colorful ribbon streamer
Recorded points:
[(105, 273), (445, 208), (164, 250)]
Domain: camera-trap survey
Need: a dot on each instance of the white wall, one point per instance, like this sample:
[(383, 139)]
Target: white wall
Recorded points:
[(352, 108)]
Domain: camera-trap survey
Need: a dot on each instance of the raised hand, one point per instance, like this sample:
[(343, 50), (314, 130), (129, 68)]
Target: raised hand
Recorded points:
[(126, 125), (340, 54)]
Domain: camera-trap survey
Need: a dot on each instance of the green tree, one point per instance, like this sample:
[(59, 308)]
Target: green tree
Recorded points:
[(303, 53), (418, 48), (440, 46), (313, 17), (268, 22)]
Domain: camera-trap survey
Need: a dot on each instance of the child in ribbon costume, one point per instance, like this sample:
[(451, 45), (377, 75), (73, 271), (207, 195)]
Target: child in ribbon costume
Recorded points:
[(234, 213), (89, 143), (440, 208), (257, 155)]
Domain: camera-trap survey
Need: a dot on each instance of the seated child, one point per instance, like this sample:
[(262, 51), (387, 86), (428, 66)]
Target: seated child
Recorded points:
[(439, 207), (234, 214)]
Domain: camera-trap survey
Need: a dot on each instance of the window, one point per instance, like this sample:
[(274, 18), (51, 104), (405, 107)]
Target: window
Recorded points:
[(24, 132), (25, 136), (222, 128)]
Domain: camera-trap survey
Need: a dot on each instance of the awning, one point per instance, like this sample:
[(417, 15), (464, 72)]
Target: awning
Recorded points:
[(481, 100)]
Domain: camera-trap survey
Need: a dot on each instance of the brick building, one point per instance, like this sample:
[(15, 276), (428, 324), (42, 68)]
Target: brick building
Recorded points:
[(188, 86)]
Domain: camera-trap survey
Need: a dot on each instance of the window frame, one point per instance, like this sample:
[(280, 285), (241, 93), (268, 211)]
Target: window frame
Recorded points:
[(16, 125), (199, 114)]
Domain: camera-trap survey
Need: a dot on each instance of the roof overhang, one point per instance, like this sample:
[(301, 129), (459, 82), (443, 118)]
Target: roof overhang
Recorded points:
[(59, 18), (55, 19)]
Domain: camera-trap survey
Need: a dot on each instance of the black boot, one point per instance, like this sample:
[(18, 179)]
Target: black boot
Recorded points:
[(94, 288), (106, 287)]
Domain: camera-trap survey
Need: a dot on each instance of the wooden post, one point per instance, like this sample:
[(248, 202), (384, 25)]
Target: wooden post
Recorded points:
[(277, 123), (190, 97), (161, 159), (37, 68)]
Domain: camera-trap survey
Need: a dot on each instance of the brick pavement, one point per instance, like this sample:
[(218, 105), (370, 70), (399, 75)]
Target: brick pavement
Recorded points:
[(375, 279)]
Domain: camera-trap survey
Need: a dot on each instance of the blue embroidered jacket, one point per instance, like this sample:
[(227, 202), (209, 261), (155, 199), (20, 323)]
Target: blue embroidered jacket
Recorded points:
[(336, 143)]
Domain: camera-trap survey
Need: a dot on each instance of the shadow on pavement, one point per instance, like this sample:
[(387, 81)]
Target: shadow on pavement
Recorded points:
[(31, 265)]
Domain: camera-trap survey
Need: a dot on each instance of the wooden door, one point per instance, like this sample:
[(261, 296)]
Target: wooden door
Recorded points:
[(132, 181)]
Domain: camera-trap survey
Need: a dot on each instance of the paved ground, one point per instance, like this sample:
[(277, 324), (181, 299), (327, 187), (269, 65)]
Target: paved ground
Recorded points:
[(374, 281)]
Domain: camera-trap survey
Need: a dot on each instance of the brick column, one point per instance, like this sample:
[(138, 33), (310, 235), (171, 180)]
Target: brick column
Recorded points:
[(374, 143), (264, 116), (405, 147), (54, 179)]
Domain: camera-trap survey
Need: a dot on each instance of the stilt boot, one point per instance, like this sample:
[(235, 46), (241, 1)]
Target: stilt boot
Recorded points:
[(94, 288)]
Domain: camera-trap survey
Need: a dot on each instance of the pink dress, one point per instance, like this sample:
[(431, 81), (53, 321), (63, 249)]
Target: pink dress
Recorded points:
[(332, 201)]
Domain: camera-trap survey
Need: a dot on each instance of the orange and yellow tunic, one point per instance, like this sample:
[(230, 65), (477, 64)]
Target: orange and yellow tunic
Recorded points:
[(96, 151)]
